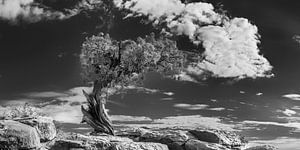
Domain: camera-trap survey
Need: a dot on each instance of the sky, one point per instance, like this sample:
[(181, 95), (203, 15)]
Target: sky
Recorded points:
[(39, 62)]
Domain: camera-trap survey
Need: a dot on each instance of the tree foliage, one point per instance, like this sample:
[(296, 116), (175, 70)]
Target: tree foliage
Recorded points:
[(109, 63), (122, 62)]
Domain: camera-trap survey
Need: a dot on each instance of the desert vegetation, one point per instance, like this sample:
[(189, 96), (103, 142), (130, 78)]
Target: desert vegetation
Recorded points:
[(110, 65)]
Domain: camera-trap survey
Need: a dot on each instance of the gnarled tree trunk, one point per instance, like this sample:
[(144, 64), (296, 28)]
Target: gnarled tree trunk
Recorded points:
[(95, 115)]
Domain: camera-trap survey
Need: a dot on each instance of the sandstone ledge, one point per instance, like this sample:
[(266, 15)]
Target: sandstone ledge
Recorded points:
[(40, 133)]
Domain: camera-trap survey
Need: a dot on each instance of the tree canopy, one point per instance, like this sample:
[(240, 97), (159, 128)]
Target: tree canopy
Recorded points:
[(125, 62)]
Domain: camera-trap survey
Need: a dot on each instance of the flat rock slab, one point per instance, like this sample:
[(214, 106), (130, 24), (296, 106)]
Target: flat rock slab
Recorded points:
[(104, 143)]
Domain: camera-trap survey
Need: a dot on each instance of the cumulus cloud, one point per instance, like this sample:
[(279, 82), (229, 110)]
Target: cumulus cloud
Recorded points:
[(28, 10), (33, 10), (295, 97), (296, 38), (288, 112), (169, 93), (230, 45), (259, 94)]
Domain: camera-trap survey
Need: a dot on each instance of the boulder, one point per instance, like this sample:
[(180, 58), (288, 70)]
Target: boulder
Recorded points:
[(200, 145), (15, 135), (45, 125), (175, 139), (228, 139)]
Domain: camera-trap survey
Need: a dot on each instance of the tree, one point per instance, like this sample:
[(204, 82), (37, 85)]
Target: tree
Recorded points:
[(111, 64)]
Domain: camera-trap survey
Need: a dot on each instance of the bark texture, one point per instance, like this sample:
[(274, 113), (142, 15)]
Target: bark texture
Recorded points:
[(95, 114)]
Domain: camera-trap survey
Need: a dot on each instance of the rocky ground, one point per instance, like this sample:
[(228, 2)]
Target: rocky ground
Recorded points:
[(40, 133)]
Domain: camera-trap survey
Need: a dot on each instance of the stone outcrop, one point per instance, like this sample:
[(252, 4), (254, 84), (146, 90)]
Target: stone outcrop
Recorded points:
[(186, 139), (154, 139), (44, 125), (103, 142), (15, 135), (26, 133), (40, 133)]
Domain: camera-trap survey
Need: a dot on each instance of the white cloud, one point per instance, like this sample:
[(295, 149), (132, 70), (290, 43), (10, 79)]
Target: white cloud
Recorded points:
[(169, 93), (123, 118), (259, 94), (283, 143), (69, 113), (296, 38), (33, 11), (217, 109), (295, 97), (295, 125), (167, 99), (214, 100), (193, 121), (231, 49), (64, 113), (197, 107), (296, 107), (288, 112), (15, 102), (191, 106), (48, 94), (28, 10)]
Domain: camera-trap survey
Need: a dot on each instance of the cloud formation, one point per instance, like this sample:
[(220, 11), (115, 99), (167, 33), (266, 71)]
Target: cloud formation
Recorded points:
[(288, 112), (295, 97), (230, 45), (280, 143), (32, 11), (295, 125), (197, 107), (27, 10), (191, 106)]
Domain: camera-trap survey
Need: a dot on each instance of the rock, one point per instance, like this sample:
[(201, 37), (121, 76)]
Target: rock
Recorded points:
[(15, 135), (225, 138), (176, 137), (103, 142), (152, 139), (67, 145), (139, 146), (45, 125), (264, 147), (200, 145), (172, 137)]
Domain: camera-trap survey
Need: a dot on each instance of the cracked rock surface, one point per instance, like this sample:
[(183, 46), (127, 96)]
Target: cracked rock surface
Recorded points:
[(40, 133)]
